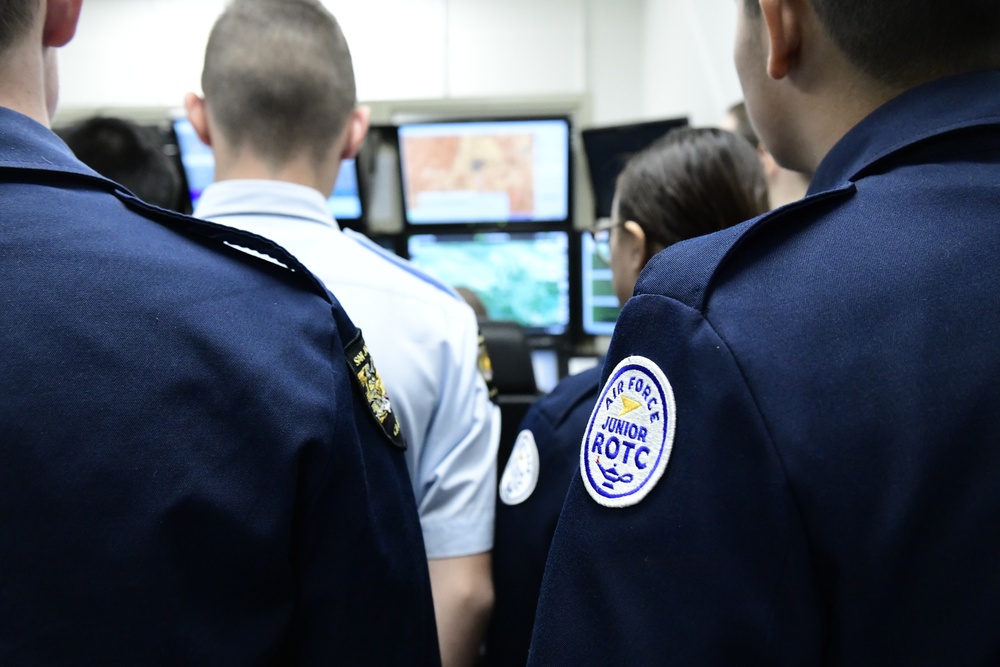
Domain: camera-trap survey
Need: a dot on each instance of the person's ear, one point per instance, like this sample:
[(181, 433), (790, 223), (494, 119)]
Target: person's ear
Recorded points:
[(357, 128), (634, 251), (61, 19), (783, 20), (197, 113)]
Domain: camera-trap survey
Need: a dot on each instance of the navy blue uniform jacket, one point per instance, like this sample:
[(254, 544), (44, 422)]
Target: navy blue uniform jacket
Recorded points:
[(524, 531), (833, 494), (188, 475)]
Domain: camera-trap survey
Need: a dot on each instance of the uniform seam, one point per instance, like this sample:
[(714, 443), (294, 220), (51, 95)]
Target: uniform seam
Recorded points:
[(772, 443), (402, 265), (702, 292)]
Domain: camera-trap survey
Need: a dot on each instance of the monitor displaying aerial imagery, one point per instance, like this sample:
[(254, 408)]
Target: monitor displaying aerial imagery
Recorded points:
[(199, 171), (522, 277), (501, 171)]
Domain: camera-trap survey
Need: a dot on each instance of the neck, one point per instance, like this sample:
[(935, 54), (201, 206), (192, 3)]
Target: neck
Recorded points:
[(787, 186), (830, 111), (25, 75), (301, 170)]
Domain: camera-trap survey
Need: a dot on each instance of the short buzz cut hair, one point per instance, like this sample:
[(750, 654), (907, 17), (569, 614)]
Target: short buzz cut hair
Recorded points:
[(15, 18), (902, 43), (278, 78)]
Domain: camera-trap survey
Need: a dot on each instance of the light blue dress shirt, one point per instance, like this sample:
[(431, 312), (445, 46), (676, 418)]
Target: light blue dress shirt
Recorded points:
[(425, 343)]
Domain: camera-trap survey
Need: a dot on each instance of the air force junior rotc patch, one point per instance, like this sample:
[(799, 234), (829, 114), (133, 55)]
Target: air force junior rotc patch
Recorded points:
[(373, 390), (520, 477), (631, 432)]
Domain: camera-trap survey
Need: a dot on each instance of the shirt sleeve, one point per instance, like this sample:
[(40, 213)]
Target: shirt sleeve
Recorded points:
[(458, 484), (712, 565)]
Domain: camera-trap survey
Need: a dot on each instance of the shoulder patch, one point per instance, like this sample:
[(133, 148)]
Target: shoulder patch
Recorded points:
[(370, 382), (630, 435), (520, 476)]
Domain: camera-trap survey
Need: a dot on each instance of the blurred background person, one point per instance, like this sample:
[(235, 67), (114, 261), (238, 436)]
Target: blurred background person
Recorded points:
[(783, 185), (129, 154)]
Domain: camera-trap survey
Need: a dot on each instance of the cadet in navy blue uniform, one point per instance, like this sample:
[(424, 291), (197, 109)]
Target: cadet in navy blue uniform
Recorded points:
[(190, 472), (793, 458), (690, 182)]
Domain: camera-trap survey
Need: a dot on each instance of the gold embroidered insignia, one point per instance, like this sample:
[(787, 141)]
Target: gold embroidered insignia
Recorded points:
[(486, 367), (373, 390)]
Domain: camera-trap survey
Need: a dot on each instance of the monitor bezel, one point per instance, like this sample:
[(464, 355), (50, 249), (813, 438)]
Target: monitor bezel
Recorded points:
[(419, 226), (572, 267), (603, 209), (582, 256)]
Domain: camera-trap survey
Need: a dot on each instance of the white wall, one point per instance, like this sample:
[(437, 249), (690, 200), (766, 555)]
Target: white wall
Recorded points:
[(614, 53), (688, 59), (634, 59), (136, 52)]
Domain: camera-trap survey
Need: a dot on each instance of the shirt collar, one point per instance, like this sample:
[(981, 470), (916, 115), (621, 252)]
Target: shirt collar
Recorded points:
[(264, 198), (933, 109), (27, 144)]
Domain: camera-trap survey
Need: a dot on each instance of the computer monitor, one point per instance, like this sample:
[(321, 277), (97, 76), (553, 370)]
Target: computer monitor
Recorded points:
[(499, 171), (199, 171), (600, 305), (519, 276), (609, 148), (196, 159)]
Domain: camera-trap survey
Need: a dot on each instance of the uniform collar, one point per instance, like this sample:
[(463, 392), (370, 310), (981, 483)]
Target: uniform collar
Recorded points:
[(264, 198), (933, 109), (27, 144)]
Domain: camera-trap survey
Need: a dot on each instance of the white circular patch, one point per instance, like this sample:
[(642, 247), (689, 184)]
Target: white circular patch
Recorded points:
[(520, 476), (631, 432)]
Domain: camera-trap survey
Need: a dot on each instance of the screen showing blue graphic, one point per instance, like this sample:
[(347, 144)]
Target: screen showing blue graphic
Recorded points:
[(199, 170), (600, 305), (522, 277), (196, 158), (513, 170)]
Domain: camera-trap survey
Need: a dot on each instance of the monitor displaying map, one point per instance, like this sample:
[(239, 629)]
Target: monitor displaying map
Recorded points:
[(199, 171), (522, 277), (485, 171)]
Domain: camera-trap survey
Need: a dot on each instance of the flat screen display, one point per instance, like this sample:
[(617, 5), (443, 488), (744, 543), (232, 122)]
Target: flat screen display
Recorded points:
[(199, 170), (522, 277), (600, 305), (196, 158), (609, 148), (485, 171)]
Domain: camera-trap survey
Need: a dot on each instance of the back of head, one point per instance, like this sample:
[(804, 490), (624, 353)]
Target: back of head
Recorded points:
[(129, 154), (902, 43), (15, 17), (693, 181), (278, 78)]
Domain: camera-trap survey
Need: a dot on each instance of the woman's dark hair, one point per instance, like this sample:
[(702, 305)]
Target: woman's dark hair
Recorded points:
[(692, 181)]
